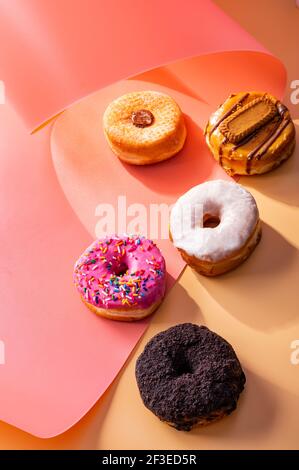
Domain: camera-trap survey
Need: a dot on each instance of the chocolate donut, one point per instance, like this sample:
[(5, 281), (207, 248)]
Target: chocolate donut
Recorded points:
[(188, 375)]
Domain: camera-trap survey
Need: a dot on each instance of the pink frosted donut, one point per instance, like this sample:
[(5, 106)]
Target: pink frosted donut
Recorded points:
[(121, 277)]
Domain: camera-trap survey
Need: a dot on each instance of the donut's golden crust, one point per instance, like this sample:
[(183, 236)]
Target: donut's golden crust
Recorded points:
[(124, 314), (150, 144), (208, 268), (236, 157)]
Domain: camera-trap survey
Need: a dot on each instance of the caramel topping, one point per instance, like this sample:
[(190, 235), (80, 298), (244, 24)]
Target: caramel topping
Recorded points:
[(229, 112), (248, 119), (142, 118)]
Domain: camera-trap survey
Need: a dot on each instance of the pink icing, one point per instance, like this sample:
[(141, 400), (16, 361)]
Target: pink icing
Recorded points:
[(121, 272)]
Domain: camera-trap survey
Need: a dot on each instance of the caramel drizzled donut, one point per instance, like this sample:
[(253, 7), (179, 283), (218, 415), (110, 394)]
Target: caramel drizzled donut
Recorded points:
[(251, 133), (189, 376)]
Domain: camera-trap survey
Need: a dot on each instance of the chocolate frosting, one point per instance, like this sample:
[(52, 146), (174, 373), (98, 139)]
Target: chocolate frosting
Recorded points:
[(187, 374)]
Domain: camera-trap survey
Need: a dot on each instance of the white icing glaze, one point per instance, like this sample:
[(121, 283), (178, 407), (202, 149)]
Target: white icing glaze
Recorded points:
[(236, 209)]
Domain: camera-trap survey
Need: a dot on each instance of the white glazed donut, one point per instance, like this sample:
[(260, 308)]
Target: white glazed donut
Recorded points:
[(215, 226)]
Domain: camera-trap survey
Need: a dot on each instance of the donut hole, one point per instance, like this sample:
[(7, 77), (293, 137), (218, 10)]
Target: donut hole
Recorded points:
[(121, 269), (181, 364), (211, 220)]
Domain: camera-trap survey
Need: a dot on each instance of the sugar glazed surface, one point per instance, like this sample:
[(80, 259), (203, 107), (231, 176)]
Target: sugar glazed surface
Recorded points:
[(231, 203)]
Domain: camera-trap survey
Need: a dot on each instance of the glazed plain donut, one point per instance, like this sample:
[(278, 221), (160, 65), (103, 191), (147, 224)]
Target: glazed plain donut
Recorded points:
[(121, 278), (144, 127), (215, 226), (189, 376), (251, 133)]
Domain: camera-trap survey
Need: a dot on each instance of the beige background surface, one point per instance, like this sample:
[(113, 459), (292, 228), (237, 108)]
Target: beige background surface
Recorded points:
[(255, 308)]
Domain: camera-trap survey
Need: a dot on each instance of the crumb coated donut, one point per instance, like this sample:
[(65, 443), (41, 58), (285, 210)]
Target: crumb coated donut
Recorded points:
[(251, 133), (144, 127), (188, 375), (121, 278), (215, 226)]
